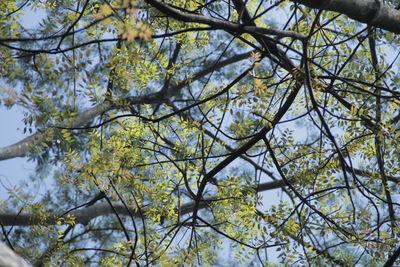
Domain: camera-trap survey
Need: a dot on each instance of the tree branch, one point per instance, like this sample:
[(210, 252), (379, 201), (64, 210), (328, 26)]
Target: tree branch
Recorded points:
[(371, 12), (221, 24), (10, 258), (21, 148), (83, 216)]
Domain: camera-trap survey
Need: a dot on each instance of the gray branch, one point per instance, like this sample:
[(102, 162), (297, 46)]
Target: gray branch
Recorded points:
[(9, 258), (21, 148), (371, 12), (83, 216)]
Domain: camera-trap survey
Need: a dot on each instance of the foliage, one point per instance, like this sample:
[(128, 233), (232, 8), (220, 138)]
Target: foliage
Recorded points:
[(162, 124)]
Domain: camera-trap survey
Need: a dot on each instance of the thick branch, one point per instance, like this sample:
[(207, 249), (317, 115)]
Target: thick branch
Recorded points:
[(83, 216), (371, 12), (23, 147), (10, 258)]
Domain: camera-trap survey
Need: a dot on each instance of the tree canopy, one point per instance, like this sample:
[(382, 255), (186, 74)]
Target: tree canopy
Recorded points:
[(164, 126)]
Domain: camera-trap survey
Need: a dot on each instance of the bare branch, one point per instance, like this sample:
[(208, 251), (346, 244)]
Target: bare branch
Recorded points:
[(371, 12), (83, 216), (21, 148), (10, 258), (221, 24)]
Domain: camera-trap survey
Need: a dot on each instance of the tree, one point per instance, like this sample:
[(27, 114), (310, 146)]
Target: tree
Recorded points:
[(163, 124)]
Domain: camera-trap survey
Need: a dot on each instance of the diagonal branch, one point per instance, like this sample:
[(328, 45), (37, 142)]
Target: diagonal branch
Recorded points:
[(21, 148)]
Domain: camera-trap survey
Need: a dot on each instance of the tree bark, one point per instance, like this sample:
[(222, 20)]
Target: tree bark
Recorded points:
[(371, 12), (8, 258)]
